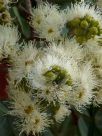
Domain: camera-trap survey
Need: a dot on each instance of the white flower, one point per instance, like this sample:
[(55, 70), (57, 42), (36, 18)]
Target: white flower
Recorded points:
[(35, 124), (8, 34), (88, 78), (50, 30), (68, 48), (52, 26), (8, 40), (61, 113), (48, 21), (41, 80), (41, 12), (80, 10), (83, 94), (31, 117), (24, 62), (92, 51), (54, 93), (92, 46)]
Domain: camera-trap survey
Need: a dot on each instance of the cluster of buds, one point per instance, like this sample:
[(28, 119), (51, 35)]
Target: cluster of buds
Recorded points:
[(4, 13), (84, 28)]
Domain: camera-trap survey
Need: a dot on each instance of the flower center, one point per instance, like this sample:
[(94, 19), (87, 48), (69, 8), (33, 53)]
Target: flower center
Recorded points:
[(37, 121), (50, 31), (28, 109), (38, 21), (47, 92), (80, 95), (28, 62)]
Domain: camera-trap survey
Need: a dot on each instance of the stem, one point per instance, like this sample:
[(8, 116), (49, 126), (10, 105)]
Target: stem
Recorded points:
[(75, 118), (28, 5)]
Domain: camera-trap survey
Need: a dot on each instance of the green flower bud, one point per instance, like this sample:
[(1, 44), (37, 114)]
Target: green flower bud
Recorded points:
[(84, 24), (73, 23), (50, 76), (93, 31), (69, 82), (78, 31), (99, 31), (60, 77), (88, 18), (88, 36), (95, 23), (56, 69), (81, 39)]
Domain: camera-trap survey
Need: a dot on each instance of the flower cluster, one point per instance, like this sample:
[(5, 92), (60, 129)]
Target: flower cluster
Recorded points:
[(48, 21), (45, 84), (80, 21), (54, 79)]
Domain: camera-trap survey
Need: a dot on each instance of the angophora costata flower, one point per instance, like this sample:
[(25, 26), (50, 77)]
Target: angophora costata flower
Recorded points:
[(32, 118), (48, 21), (57, 77), (9, 37)]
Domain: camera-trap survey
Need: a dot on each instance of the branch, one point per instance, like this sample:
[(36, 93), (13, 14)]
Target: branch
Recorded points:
[(28, 5)]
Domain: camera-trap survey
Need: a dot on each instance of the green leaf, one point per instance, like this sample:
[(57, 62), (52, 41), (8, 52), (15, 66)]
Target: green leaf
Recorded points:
[(3, 109), (22, 22), (47, 133), (98, 121), (5, 126), (83, 127), (69, 128)]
